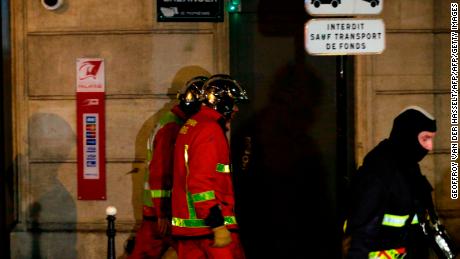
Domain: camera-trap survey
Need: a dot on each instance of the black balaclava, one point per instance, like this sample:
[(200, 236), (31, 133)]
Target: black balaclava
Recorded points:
[(404, 135)]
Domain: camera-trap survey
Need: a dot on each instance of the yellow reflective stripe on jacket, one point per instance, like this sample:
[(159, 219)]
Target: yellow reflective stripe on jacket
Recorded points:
[(415, 219), (199, 223), (388, 254), (191, 206), (170, 117), (221, 168), (160, 193), (394, 220), (148, 194), (147, 199), (191, 122), (193, 221), (203, 196)]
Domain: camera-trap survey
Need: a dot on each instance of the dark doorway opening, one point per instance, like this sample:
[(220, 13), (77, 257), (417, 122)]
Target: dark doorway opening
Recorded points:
[(292, 145), (6, 161)]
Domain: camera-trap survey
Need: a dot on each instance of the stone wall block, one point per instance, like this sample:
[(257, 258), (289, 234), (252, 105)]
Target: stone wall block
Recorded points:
[(442, 140), (53, 195), (90, 15), (400, 83), (406, 54), (129, 123), (66, 245), (442, 14), (408, 14), (52, 133), (443, 186), (134, 63), (442, 61), (124, 191)]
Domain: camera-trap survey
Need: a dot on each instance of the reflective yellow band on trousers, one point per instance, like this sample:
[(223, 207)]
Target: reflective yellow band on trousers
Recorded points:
[(398, 253), (197, 223), (160, 193), (221, 168), (394, 220), (203, 196)]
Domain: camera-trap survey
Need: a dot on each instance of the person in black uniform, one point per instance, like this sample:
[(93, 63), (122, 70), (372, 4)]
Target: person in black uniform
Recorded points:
[(389, 195)]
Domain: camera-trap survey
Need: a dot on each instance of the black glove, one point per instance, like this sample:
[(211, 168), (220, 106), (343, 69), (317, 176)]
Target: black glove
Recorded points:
[(215, 218)]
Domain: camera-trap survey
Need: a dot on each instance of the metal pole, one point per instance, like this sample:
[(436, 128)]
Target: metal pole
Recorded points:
[(342, 116), (341, 120), (111, 232)]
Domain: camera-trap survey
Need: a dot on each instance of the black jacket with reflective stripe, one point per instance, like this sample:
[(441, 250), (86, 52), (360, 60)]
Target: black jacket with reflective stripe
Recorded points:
[(387, 192)]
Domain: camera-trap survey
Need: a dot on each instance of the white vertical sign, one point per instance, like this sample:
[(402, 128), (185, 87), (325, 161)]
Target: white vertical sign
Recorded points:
[(344, 36)]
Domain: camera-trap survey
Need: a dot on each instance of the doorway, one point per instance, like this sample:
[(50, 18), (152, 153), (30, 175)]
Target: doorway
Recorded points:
[(6, 173), (289, 174)]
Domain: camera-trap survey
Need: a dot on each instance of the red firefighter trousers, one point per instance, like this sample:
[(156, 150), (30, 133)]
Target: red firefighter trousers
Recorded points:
[(148, 244), (202, 249)]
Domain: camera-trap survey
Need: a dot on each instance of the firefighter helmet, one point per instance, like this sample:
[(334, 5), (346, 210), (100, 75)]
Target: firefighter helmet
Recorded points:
[(190, 100), (221, 92)]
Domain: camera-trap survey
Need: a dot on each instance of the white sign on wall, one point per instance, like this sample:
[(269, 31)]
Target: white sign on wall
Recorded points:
[(343, 7), (90, 75), (344, 36)]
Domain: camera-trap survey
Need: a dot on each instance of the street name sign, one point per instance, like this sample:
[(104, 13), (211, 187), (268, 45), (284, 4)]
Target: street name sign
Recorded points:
[(190, 10)]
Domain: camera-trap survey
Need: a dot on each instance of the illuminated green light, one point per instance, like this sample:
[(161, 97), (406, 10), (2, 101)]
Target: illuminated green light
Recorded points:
[(234, 6)]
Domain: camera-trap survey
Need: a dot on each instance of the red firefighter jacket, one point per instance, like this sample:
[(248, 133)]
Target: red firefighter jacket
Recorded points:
[(160, 148), (202, 176)]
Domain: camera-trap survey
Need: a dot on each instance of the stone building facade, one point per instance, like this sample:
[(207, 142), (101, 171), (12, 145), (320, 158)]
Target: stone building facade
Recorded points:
[(146, 63)]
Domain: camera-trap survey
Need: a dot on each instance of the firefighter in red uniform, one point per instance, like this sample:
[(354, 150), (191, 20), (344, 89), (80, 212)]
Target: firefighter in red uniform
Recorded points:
[(203, 220), (153, 238)]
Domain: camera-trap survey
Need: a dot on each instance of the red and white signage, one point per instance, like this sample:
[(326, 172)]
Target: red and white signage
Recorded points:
[(90, 75), (91, 129)]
